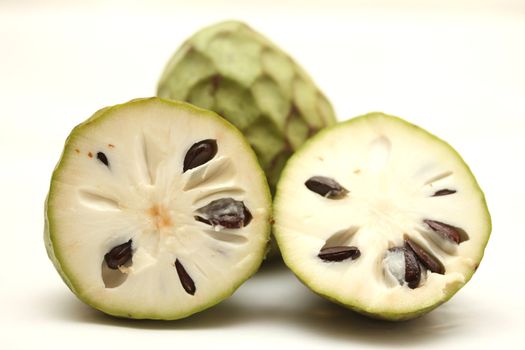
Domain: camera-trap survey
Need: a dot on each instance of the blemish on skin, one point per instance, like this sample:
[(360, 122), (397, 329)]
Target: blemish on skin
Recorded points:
[(90, 155), (111, 145), (77, 150), (321, 159), (357, 171)]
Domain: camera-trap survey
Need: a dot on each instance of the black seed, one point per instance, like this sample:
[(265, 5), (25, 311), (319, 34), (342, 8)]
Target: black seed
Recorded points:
[(225, 212), (447, 231), (430, 262), (444, 192), (102, 157), (119, 255), (339, 253), (199, 153), (326, 187), (412, 269), (185, 279)]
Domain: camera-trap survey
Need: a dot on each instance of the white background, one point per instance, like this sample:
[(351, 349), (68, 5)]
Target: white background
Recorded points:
[(457, 68)]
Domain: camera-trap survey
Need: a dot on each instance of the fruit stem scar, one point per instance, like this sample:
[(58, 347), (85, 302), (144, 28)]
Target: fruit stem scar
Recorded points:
[(160, 216)]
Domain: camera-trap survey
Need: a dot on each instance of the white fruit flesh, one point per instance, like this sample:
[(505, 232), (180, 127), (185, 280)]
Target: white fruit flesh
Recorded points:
[(143, 195), (392, 169)]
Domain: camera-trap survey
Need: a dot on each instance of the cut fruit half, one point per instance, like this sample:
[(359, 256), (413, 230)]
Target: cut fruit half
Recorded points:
[(381, 216), (156, 210)]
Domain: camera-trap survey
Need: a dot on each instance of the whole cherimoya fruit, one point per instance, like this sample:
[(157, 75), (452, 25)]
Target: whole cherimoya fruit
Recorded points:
[(381, 216), (157, 209), (238, 73)]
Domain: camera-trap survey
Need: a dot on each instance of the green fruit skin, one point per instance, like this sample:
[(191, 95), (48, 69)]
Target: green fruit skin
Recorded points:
[(233, 70), (55, 256), (362, 309)]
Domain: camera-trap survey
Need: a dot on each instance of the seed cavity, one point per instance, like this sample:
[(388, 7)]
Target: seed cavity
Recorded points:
[(217, 173), (341, 237), (102, 157), (452, 233), (339, 253), (439, 177), (119, 255), (429, 261), (401, 263), (326, 187), (444, 192), (200, 153), (185, 280), (394, 266), (229, 238), (225, 212), (408, 264), (96, 201), (227, 190), (112, 278)]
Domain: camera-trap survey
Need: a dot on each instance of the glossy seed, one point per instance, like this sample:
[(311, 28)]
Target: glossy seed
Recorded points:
[(225, 212), (119, 255), (447, 231), (326, 187), (185, 280), (431, 263), (102, 157), (199, 153), (339, 253), (412, 269), (444, 192)]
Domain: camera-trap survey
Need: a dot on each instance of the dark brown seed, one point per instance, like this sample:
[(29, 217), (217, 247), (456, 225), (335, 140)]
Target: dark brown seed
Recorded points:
[(225, 212), (444, 192), (199, 153), (326, 187), (102, 157), (447, 231), (119, 255), (412, 269), (426, 259), (185, 279), (247, 216), (339, 253)]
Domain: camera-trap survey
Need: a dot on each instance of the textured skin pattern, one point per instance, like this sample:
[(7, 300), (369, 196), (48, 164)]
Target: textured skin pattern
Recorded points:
[(233, 70)]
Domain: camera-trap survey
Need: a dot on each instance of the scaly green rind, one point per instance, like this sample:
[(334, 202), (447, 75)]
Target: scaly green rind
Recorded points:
[(55, 256), (391, 316), (238, 73)]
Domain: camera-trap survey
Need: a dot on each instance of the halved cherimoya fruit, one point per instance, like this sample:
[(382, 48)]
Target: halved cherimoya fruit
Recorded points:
[(156, 210), (382, 217)]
